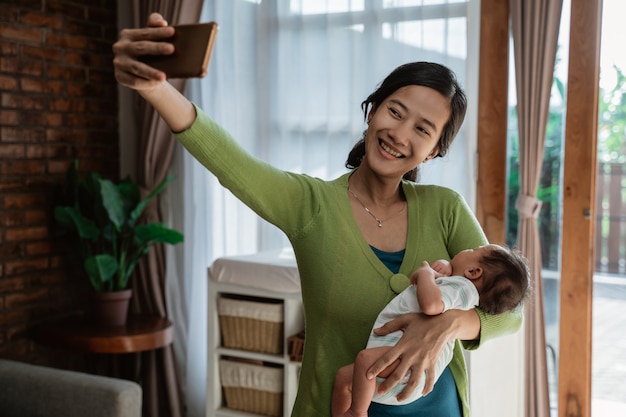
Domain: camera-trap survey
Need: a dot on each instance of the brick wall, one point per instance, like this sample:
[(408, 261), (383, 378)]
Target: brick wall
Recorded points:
[(58, 101)]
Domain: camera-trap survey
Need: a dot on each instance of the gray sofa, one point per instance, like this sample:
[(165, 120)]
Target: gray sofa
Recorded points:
[(37, 391)]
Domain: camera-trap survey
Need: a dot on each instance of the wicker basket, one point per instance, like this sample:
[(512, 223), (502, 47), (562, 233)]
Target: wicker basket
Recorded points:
[(251, 325), (252, 388)]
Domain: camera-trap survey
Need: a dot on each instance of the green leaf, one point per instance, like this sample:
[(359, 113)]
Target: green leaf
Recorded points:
[(90, 199), (128, 272), (109, 233), (113, 203), (90, 190), (130, 196), (143, 203), (71, 219), (156, 233), (100, 269)]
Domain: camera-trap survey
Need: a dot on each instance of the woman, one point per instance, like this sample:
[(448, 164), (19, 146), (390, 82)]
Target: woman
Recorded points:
[(356, 238)]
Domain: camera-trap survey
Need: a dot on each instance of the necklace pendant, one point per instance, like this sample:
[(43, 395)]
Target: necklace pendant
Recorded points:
[(380, 222)]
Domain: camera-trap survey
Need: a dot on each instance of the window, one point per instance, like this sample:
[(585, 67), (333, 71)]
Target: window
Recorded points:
[(610, 276), (324, 57), (288, 77)]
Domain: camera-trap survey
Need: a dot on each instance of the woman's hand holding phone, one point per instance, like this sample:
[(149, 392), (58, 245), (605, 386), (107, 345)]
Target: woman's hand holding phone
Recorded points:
[(173, 107), (134, 43)]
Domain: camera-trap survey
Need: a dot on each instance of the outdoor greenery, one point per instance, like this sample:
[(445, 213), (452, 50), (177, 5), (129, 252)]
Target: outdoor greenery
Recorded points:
[(611, 148), (612, 121)]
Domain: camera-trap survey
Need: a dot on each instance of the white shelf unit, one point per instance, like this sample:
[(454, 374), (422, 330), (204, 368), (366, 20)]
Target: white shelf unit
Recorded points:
[(293, 323)]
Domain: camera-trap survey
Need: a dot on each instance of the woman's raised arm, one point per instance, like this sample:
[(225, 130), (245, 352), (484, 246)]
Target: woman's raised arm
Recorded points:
[(149, 82)]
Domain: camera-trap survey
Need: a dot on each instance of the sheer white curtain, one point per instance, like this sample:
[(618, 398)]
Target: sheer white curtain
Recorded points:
[(286, 80)]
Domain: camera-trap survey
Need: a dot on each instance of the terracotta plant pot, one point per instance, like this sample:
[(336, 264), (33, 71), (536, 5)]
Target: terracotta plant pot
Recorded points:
[(111, 308)]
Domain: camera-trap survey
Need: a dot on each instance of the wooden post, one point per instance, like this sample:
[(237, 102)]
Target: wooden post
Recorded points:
[(493, 118), (579, 183)]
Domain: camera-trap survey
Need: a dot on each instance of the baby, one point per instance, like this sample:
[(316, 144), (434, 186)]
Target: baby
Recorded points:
[(494, 278)]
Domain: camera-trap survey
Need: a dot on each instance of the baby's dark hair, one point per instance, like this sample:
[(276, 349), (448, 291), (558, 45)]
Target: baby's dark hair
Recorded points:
[(506, 280)]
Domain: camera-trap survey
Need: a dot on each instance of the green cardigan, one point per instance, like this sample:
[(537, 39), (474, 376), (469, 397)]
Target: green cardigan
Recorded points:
[(344, 284)]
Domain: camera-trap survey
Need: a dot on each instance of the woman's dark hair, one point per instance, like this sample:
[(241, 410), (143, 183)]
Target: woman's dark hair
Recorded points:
[(506, 281), (427, 74)]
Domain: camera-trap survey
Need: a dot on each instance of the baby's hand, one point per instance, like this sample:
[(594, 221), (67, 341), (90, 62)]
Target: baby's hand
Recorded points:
[(426, 267), (442, 268), (425, 270)]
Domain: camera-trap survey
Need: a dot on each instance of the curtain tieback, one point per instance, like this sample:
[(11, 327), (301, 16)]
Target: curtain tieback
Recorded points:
[(528, 206)]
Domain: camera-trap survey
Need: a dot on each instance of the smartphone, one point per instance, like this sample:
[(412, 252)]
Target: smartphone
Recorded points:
[(193, 46)]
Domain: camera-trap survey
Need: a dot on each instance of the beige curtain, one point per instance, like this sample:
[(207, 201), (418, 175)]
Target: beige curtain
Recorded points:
[(535, 27), (157, 369)]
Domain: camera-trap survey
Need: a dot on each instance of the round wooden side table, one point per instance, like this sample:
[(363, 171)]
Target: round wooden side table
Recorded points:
[(141, 333)]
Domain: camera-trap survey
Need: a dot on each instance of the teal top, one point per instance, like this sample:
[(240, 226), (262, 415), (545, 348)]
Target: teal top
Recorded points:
[(344, 284)]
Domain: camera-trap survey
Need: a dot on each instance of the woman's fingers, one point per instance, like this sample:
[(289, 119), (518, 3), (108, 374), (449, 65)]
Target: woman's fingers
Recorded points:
[(139, 76), (133, 44), (417, 351), (151, 33), (130, 72), (144, 41), (396, 376), (393, 354), (412, 384), (155, 19), (429, 382), (396, 324)]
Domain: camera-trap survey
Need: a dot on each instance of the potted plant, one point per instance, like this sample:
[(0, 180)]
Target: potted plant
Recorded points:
[(101, 218)]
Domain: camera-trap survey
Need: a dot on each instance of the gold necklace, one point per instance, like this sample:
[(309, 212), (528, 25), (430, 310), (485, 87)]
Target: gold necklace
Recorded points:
[(379, 221)]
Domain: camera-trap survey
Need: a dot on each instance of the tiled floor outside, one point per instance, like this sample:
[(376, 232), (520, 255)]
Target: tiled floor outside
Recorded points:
[(609, 343)]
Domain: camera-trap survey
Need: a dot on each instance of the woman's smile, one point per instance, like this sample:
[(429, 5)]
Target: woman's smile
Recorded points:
[(388, 149)]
